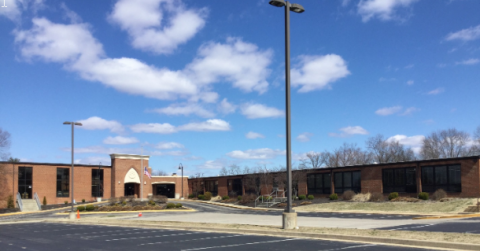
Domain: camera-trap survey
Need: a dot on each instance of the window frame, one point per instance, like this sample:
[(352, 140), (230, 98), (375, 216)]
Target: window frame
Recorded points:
[(64, 182), (313, 188), (343, 188), (396, 186), (97, 193), (453, 171)]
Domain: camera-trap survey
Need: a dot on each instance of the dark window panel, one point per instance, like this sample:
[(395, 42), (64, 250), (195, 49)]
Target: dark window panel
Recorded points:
[(356, 179), (441, 175)]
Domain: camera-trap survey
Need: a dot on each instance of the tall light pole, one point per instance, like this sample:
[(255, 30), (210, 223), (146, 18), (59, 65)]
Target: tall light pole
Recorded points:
[(289, 216), (72, 212), (180, 167)]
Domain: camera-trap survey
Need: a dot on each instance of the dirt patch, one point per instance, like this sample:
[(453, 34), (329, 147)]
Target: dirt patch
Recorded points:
[(405, 199)]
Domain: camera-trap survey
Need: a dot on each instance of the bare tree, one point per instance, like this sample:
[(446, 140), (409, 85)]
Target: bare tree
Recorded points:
[(348, 155), (234, 170), (450, 143), (159, 173), (384, 151), (476, 135), (223, 171), (253, 182), (246, 170), (197, 186), (313, 160), (4, 144)]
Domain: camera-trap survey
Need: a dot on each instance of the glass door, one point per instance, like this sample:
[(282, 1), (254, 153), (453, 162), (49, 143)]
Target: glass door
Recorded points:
[(25, 182)]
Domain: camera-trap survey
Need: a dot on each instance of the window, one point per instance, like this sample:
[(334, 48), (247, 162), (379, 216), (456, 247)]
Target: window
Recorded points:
[(63, 182), (319, 183), (400, 180), (348, 181), (97, 183), (212, 187), (25, 182), (447, 178)]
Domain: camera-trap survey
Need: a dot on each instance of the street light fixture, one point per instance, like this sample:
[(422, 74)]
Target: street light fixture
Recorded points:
[(72, 213), (289, 216), (180, 167)]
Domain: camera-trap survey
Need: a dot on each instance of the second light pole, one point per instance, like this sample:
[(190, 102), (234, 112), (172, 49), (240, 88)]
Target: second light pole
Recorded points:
[(289, 216), (72, 212), (180, 167)]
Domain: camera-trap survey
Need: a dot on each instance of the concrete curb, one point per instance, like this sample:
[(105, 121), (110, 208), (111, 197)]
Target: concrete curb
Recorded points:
[(290, 234), (50, 210), (233, 206), (447, 217), (124, 212)]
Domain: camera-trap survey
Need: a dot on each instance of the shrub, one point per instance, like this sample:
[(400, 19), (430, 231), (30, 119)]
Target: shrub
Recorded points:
[(333, 196), (247, 198), (122, 199), (302, 197), (44, 201), (66, 202), (423, 196), (151, 203), (311, 197), (362, 197), (376, 197), (124, 203), (170, 205), (116, 208), (348, 195), (191, 196), (239, 197), (81, 208), (439, 194), (137, 208), (97, 207), (160, 198), (10, 203), (127, 208), (178, 205), (201, 197), (89, 208), (226, 197), (392, 196), (104, 208), (208, 196), (83, 200)]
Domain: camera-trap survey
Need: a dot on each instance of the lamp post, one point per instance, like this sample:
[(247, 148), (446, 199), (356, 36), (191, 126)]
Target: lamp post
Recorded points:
[(289, 216), (72, 213), (180, 167)]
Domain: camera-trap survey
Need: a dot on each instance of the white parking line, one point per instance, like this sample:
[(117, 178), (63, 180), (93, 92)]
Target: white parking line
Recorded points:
[(237, 245), (359, 246), (199, 239), (144, 237), (97, 236)]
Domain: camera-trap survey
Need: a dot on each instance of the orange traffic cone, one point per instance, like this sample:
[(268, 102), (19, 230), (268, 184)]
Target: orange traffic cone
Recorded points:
[(140, 214), (78, 214)]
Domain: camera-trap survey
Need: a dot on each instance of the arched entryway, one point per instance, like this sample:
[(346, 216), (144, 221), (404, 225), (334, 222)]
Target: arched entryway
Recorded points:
[(132, 183), (164, 188)]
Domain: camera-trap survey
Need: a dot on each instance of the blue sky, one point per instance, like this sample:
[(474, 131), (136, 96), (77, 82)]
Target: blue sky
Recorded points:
[(202, 82)]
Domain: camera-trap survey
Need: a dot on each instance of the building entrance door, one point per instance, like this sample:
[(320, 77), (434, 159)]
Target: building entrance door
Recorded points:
[(131, 189), (25, 182), (165, 189)]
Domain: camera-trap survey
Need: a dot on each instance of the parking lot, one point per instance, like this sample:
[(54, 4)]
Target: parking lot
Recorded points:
[(48, 236)]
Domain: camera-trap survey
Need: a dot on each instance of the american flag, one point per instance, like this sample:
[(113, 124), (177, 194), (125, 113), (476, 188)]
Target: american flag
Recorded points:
[(146, 173)]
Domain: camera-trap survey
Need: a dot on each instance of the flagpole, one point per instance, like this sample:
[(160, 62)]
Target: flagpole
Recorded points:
[(142, 173)]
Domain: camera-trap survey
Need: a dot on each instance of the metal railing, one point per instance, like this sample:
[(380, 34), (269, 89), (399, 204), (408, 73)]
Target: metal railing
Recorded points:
[(19, 201), (271, 199), (35, 196)]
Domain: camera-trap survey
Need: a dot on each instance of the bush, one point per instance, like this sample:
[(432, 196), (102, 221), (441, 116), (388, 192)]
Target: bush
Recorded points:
[(376, 197), (201, 197), (333, 196), (311, 197), (89, 208), (239, 197), (208, 196), (247, 198), (83, 200), (423, 196), (137, 208), (302, 197), (170, 205), (10, 203), (160, 198), (124, 203), (226, 197), (44, 201), (348, 195), (392, 196), (81, 208), (178, 205), (127, 208), (151, 203), (104, 208), (439, 194), (191, 196), (66, 202)]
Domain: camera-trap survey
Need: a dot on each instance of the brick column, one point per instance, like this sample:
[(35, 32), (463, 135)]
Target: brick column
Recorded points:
[(332, 183), (419, 177)]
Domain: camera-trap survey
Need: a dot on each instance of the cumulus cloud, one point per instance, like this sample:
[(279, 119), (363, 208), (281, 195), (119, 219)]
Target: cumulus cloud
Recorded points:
[(436, 91), (388, 110), (256, 111), (410, 82), (185, 109), (318, 72), (304, 137), (158, 26), (214, 164), (384, 10), (94, 160), (254, 135), (470, 61), (415, 142), (225, 107), (14, 8), (468, 34), (168, 145), (97, 123), (410, 110), (349, 131), (119, 140), (166, 128), (262, 153)]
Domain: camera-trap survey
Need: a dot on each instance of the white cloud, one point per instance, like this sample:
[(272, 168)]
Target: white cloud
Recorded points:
[(468, 34), (225, 107), (168, 145), (214, 164), (470, 61), (317, 72), (263, 153), (410, 82), (410, 66), (382, 9), (304, 137), (255, 111), (158, 26), (415, 142), (410, 110), (388, 110), (238, 62), (185, 110), (209, 125), (119, 140), (97, 123), (436, 91), (254, 135), (94, 160), (164, 128), (14, 8), (349, 131)]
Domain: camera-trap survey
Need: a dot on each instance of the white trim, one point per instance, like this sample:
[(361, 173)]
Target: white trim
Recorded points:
[(128, 156), (162, 182), (132, 177), (169, 176)]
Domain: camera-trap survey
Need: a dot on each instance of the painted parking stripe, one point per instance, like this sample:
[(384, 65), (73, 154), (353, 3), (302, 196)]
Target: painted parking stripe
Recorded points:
[(199, 239), (237, 245), (359, 246), (98, 236), (145, 237)]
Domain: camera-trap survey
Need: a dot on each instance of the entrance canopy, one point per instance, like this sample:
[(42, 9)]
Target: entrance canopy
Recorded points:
[(132, 177)]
